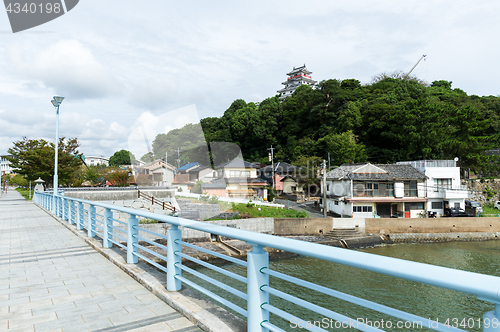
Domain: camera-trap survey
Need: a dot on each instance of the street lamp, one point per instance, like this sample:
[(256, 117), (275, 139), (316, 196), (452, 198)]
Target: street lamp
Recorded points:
[(56, 101)]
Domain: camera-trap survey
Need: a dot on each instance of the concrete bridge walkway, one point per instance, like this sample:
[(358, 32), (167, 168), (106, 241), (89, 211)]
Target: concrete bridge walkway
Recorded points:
[(51, 280)]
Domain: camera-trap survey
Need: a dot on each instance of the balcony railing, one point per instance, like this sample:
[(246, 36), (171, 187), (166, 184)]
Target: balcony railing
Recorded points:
[(84, 215)]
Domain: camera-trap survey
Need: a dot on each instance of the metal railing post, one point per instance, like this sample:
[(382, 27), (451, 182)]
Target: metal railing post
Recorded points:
[(71, 209), (91, 228), (107, 234), (64, 209), (79, 216), (53, 203), (491, 320), (257, 259), (173, 234), (132, 240)]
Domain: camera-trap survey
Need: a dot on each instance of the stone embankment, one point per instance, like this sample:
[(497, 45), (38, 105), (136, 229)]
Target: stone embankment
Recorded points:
[(439, 237), (207, 211), (483, 190)]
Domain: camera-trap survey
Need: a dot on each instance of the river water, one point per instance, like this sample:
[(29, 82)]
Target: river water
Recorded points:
[(457, 309)]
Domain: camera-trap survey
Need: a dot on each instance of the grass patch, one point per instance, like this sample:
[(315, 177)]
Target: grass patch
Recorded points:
[(25, 193), (148, 221), (251, 211), (489, 211)]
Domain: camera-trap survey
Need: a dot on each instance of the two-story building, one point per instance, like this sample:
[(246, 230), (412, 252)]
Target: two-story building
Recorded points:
[(367, 191), (5, 166), (286, 178), (96, 160), (158, 172), (443, 187), (240, 178)]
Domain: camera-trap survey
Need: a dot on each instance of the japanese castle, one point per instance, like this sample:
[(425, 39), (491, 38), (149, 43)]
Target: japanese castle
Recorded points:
[(296, 78)]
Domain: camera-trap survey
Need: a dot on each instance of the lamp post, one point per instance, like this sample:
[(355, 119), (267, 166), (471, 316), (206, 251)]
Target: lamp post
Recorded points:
[(56, 101)]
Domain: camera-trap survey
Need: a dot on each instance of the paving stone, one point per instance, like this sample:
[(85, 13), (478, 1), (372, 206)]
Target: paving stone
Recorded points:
[(53, 281)]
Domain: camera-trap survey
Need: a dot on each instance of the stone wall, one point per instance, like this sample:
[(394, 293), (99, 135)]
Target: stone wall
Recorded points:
[(259, 225), (477, 189), (431, 225), (439, 237), (302, 226), (168, 195), (207, 211)]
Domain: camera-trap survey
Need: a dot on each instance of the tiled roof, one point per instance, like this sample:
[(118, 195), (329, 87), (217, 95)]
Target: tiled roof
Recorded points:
[(187, 166), (198, 168), (280, 168), (214, 185), (237, 163), (392, 172), (244, 180)]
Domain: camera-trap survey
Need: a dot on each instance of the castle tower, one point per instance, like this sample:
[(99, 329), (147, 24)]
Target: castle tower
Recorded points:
[(296, 78)]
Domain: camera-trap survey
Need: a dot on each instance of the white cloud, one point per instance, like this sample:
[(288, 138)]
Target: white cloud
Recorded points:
[(68, 67), (119, 65), (148, 125)]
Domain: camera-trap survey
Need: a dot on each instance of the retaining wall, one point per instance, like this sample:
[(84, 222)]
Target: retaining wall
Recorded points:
[(260, 225), (439, 237), (302, 226), (431, 225), (206, 211), (114, 195), (349, 223)]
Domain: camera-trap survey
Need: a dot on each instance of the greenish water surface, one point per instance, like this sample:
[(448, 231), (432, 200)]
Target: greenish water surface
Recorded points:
[(461, 310)]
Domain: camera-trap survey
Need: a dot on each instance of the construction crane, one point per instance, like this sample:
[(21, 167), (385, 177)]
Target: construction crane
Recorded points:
[(423, 57)]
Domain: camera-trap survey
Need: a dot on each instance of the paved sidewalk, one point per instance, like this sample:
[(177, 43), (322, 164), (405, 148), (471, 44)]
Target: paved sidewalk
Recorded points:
[(51, 280)]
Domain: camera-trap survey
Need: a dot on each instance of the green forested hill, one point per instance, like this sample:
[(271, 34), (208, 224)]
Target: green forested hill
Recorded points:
[(384, 122)]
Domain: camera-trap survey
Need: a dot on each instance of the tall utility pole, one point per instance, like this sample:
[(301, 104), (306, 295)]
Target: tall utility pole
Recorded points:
[(271, 159), (166, 168), (324, 189), (178, 157)]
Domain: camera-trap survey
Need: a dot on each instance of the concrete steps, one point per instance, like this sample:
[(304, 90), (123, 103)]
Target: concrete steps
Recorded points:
[(343, 233)]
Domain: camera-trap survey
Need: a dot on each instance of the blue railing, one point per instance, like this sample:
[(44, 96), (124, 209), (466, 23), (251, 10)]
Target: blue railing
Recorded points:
[(83, 214)]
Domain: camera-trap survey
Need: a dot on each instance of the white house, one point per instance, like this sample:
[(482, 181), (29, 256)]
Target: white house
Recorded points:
[(367, 190), (241, 179), (96, 160), (160, 173), (443, 186), (5, 167)]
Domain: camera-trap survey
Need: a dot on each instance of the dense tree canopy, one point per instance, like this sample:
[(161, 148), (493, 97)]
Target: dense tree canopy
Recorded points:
[(35, 158), (122, 157), (392, 119)]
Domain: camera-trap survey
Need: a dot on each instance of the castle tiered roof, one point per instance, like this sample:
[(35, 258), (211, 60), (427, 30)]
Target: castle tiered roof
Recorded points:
[(297, 77)]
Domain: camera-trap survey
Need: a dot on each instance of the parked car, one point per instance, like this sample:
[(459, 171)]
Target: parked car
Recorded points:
[(456, 212), (497, 205), (475, 204), (186, 214)]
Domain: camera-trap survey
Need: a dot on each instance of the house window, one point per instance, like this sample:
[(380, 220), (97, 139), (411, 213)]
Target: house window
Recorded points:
[(457, 205), (328, 188), (245, 174), (336, 202), (362, 208), (437, 205), (414, 206), (233, 174), (373, 189), (410, 189), (442, 184)]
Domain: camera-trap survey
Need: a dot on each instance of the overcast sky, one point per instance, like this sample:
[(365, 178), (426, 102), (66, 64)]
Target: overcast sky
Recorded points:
[(159, 64)]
